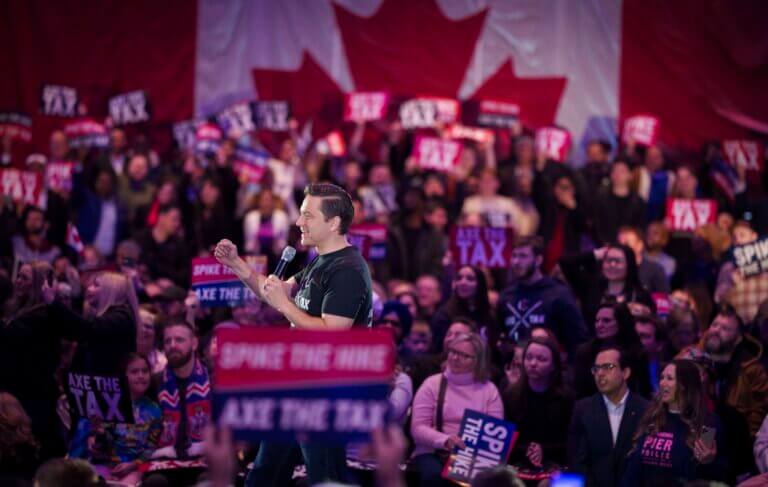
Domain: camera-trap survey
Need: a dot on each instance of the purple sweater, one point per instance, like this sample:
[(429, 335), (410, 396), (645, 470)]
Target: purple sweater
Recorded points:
[(462, 393)]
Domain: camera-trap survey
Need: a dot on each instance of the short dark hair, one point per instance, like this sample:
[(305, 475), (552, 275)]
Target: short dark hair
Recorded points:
[(185, 324), (729, 311), (168, 207), (535, 242), (624, 362), (61, 472), (336, 203), (466, 321)]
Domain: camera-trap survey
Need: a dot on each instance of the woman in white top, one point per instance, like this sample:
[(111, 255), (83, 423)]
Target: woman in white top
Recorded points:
[(266, 225)]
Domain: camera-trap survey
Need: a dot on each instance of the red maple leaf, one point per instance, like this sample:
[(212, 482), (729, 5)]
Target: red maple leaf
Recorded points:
[(538, 98)]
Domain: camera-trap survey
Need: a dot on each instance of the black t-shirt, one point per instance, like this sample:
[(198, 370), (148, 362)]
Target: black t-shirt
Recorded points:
[(339, 284)]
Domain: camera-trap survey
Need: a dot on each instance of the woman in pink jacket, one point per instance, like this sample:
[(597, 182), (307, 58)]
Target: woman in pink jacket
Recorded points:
[(440, 403)]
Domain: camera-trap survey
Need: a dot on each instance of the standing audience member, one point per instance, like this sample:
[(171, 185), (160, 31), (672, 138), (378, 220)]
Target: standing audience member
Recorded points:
[(469, 298), (650, 274)]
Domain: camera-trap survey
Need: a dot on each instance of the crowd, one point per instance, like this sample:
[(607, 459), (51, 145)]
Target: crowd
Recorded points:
[(622, 350)]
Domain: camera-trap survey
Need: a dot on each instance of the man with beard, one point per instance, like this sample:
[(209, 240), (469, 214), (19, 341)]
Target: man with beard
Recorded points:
[(33, 243), (740, 379), (185, 399), (602, 425), (535, 300)]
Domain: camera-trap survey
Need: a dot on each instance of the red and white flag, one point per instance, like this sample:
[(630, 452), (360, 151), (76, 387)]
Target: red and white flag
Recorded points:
[(73, 238)]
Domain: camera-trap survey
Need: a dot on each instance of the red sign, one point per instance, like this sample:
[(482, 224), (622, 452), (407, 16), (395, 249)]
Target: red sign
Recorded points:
[(641, 129), (663, 306), (688, 215), (436, 153), (748, 154), (17, 126), (58, 176), (371, 239), (482, 136), (482, 246), (365, 106), (23, 186), (553, 142), (426, 112), (498, 113), (87, 132)]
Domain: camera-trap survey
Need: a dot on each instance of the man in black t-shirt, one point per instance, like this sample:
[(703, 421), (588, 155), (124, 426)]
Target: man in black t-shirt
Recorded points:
[(332, 293)]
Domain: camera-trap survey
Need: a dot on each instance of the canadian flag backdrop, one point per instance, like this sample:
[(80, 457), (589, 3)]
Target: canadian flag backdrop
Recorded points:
[(701, 66)]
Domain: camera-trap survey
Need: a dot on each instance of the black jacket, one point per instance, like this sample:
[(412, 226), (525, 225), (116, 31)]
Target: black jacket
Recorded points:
[(591, 451)]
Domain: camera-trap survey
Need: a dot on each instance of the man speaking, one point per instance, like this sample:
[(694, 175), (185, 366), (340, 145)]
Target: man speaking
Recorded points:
[(332, 293)]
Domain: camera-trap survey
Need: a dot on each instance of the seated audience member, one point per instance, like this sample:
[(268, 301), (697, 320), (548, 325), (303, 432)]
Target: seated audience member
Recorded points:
[(618, 204), (677, 440), (540, 406), (165, 253), (429, 295), (602, 425), (419, 340), (683, 329), (657, 349), (186, 406), (396, 317), (614, 325), (650, 273), (534, 299), (65, 472), (422, 366), (119, 449), (19, 450), (32, 244), (441, 401)]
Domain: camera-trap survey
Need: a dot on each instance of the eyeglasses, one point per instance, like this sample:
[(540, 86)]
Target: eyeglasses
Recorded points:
[(604, 367), (461, 355), (613, 260)]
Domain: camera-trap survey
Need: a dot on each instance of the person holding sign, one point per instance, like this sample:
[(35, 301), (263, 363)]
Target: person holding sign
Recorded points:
[(440, 402), (334, 292)]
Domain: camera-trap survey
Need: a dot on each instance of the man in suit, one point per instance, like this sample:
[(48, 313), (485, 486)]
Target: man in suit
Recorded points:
[(602, 425)]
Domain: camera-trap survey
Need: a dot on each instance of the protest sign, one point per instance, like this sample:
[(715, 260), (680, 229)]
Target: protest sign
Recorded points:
[(482, 246), (426, 112), (105, 397), (748, 154), (641, 129), (436, 153), (482, 136), (332, 144), (663, 306), (58, 101), (377, 233), (15, 125), (237, 118), (752, 259), (23, 186), (363, 244), (489, 442), (208, 138), (275, 383), (86, 132), (216, 285), (553, 142), (184, 133), (128, 108), (365, 106), (58, 175), (494, 113), (250, 164), (684, 215), (272, 115)]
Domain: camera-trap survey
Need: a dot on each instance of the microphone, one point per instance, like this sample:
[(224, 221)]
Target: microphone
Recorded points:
[(288, 254)]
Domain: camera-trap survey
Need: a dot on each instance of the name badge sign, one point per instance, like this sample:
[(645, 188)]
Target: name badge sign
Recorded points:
[(128, 108), (748, 154), (377, 233), (101, 396), (272, 115), (494, 113), (489, 442), (553, 142), (58, 175), (87, 132), (216, 285), (482, 246), (58, 101), (436, 153), (752, 259), (238, 118), (23, 186), (15, 125), (250, 164), (366, 106), (642, 129), (685, 215), (276, 383)]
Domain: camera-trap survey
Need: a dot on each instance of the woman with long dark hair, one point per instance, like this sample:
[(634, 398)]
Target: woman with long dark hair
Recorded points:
[(469, 298), (609, 271), (677, 440), (540, 406), (614, 326)]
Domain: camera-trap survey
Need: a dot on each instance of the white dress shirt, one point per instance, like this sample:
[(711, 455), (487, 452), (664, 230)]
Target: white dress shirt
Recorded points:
[(615, 413)]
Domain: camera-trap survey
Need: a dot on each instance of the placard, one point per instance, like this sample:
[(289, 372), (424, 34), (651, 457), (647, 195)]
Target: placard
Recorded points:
[(365, 106), (58, 175), (481, 136), (641, 129), (489, 442), (553, 142), (128, 108), (15, 125), (663, 306), (377, 233), (23, 186), (208, 138), (272, 115), (275, 383), (435, 153), (87, 132), (184, 133), (426, 112), (752, 259), (748, 154), (216, 285), (237, 117), (250, 164), (58, 101), (363, 244), (494, 113), (100, 396), (684, 215), (482, 246)]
